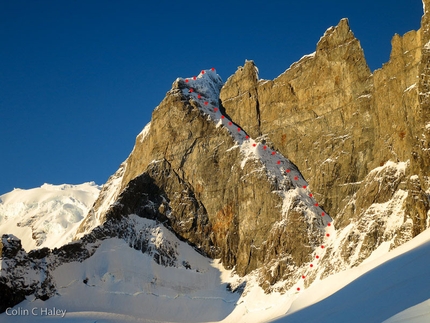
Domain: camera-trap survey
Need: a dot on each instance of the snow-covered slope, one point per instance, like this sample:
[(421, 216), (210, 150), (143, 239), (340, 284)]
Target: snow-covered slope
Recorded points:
[(416, 314), (46, 216), (372, 292), (131, 285)]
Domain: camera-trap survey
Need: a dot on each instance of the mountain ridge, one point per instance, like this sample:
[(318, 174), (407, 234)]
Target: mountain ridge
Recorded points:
[(220, 165)]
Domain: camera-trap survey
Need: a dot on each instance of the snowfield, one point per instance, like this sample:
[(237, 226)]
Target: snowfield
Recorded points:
[(373, 292), (131, 287), (47, 216)]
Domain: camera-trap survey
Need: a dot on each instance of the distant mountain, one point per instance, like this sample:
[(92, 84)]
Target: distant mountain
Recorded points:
[(47, 216), (239, 197)]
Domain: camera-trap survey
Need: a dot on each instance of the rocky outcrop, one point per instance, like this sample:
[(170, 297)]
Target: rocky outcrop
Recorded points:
[(22, 274)]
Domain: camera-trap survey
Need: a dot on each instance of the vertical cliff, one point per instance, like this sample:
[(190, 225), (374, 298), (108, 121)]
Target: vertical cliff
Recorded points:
[(360, 138)]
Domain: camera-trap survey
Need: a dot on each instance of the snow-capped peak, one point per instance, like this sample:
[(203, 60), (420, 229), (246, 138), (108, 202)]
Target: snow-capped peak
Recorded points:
[(207, 84), (46, 216)]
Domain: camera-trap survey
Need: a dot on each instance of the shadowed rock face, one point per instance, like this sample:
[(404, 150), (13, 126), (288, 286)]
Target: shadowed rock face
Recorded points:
[(20, 272), (361, 140)]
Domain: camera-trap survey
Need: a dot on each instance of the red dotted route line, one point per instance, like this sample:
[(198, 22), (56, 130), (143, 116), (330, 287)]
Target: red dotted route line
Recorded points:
[(287, 172)]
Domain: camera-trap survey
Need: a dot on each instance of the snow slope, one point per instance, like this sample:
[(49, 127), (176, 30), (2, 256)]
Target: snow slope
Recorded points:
[(131, 286), (46, 216), (374, 292), (416, 314)]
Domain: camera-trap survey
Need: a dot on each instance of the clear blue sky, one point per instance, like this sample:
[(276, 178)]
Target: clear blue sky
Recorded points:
[(79, 79)]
